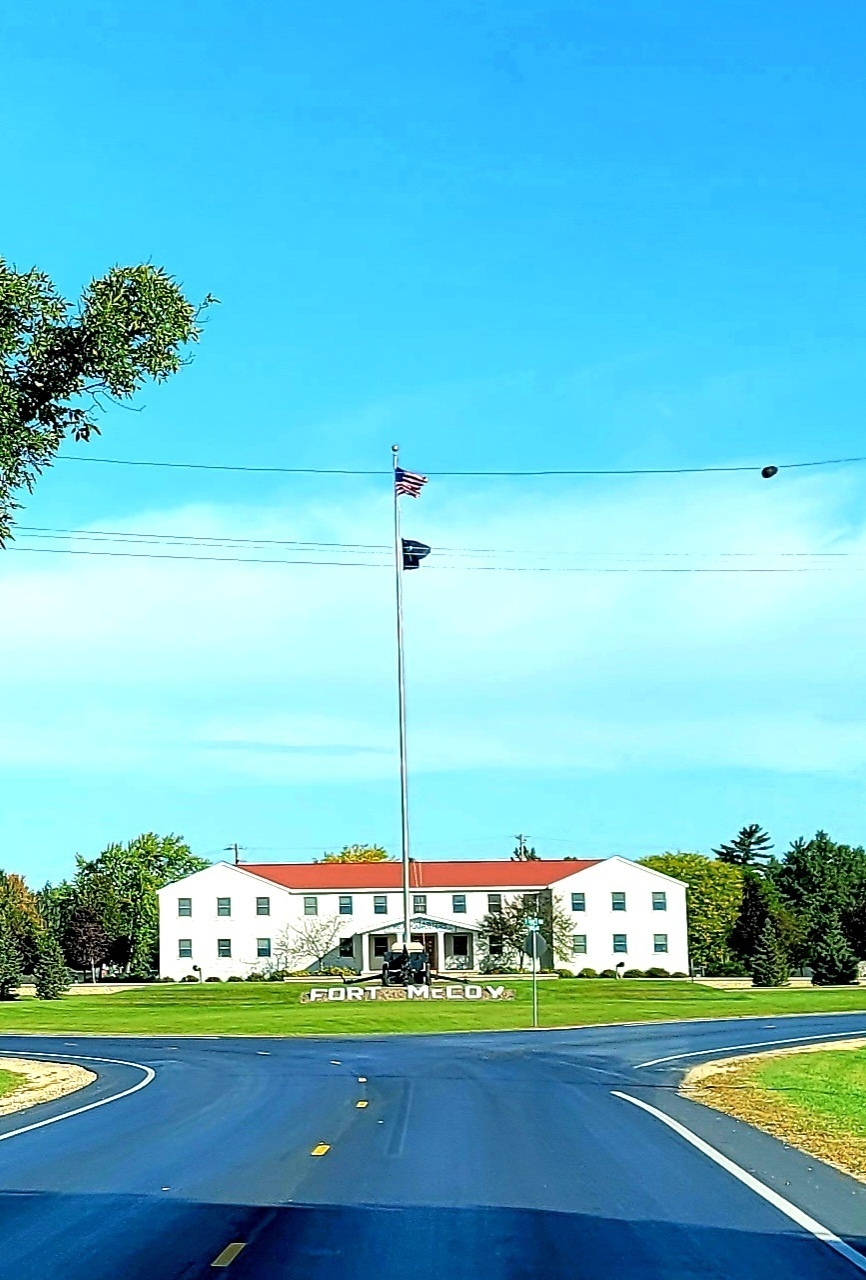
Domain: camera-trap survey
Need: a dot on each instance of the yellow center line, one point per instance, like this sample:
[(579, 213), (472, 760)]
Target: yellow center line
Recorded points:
[(362, 1103), (228, 1255), (321, 1149)]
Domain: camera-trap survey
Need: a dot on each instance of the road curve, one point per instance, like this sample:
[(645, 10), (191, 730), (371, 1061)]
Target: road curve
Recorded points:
[(512, 1155)]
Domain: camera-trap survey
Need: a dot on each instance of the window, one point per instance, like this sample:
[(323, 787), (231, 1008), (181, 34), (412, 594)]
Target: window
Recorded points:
[(495, 947), (380, 945), (345, 904), (578, 944), (184, 906), (224, 948), (458, 905), (263, 947), (419, 902), (311, 906), (460, 944), (263, 906), (347, 948), (620, 943), (578, 902), (494, 902), (224, 906), (660, 943), (617, 902), (184, 948), (380, 904), (660, 901)]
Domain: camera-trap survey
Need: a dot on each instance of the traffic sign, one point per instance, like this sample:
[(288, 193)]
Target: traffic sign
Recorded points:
[(532, 923)]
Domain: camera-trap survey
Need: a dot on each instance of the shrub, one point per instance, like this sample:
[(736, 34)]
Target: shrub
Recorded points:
[(587, 973), (256, 977), (564, 973), (167, 979), (633, 973), (607, 973), (213, 979), (234, 978), (679, 974), (190, 977), (656, 972)]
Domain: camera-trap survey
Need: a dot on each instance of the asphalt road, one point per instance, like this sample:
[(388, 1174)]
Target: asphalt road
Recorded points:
[(506, 1155)]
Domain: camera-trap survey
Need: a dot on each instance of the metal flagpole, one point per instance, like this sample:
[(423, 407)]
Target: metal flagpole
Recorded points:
[(401, 698)]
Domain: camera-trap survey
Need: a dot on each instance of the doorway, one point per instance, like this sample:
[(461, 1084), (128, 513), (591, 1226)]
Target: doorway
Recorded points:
[(430, 944)]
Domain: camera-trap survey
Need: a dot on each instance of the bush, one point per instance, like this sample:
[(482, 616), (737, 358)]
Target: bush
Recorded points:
[(234, 978), (213, 979), (678, 974), (633, 973), (607, 973), (190, 977), (166, 979), (256, 977), (656, 972), (333, 971), (564, 973), (587, 973)]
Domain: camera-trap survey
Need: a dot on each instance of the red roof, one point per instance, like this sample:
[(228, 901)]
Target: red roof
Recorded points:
[(423, 875)]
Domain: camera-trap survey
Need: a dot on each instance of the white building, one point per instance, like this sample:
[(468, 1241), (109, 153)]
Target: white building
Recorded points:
[(234, 920)]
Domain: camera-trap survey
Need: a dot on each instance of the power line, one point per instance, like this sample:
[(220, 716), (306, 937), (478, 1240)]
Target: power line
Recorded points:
[(547, 473), (472, 568)]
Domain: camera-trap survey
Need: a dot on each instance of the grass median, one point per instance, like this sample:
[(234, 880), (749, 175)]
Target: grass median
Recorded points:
[(275, 1009), (813, 1099)]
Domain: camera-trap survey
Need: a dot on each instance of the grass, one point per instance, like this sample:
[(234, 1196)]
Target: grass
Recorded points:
[(275, 1009), (9, 1082), (827, 1088)]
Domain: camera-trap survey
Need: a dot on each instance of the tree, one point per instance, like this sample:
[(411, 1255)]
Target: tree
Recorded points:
[(769, 965), (85, 940), (832, 960), (10, 962), (122, 883), (523, 853), (713, 899), (50, 973), (20, 908), (358, 853), (819, 880), (308, 943), (750, 847), (57, 361), (502, 934)]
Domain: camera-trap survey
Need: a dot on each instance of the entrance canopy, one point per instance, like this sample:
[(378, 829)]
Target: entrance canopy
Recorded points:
[(419, 924)]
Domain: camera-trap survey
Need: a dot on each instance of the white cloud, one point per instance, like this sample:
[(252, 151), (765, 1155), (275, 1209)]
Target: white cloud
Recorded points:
[(287, 674)]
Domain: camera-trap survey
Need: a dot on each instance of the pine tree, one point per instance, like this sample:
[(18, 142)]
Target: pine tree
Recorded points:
[(769, 966), (750, 847), (50, 973), (10, 962), (832, 960)]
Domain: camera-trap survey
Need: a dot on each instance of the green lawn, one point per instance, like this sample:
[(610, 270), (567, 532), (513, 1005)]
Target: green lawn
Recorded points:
[(274, 1009), (827, 1088), (9, 1080)]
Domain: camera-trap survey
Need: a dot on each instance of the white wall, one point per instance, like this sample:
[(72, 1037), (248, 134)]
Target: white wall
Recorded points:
[(599, 922)]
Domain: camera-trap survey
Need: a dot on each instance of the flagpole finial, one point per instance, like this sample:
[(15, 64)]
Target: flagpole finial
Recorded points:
[(395, 448)]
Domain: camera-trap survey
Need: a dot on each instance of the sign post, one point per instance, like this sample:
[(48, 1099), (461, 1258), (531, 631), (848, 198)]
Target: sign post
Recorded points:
[(533, 924)]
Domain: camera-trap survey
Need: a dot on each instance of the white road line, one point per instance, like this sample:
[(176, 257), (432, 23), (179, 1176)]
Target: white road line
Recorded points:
[(756, 1044), (815, 1228), (149, 1075)]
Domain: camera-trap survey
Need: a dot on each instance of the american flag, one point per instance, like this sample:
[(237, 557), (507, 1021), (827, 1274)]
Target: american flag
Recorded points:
[(408, 483)]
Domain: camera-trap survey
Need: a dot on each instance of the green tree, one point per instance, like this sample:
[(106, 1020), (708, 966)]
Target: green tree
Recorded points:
[(10, 962), (19, 906), (50, 974), (501, 935), (750, 847), (819, 880), (769, 964), (832, 960), (358, 853), (523, 853), (124, 880), (713, 899), (57, 361)]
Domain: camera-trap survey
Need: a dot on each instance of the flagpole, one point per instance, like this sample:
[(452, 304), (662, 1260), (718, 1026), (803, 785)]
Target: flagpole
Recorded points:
[(401, 699)]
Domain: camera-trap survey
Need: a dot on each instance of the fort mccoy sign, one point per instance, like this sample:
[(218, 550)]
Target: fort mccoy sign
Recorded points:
[(423, 994)]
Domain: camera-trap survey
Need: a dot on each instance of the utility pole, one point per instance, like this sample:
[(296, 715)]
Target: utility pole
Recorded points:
[(235, 850), (521, 848)]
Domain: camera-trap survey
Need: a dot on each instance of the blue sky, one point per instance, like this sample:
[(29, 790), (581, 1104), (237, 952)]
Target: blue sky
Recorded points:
[(510, 236)]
